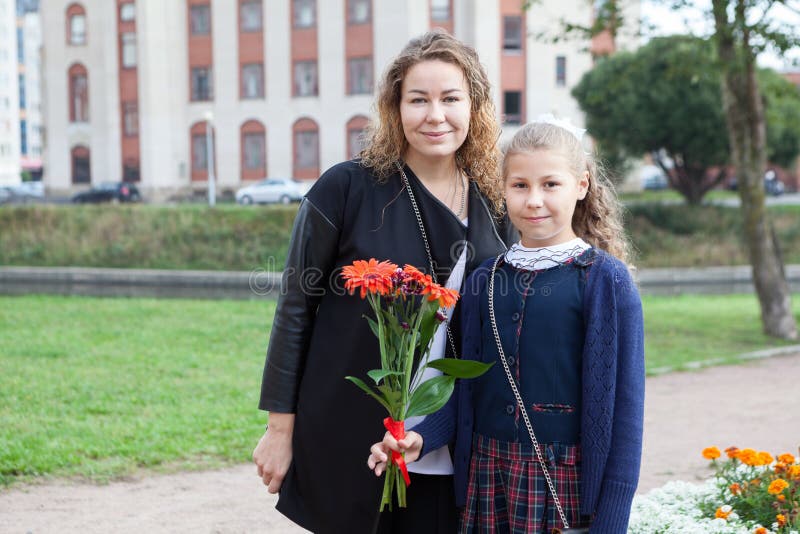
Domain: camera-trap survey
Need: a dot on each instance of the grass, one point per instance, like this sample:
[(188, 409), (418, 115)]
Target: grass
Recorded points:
[(100, 388), (231, 237)]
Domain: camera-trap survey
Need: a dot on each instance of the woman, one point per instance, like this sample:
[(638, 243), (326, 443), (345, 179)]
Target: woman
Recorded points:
[(426, 192)]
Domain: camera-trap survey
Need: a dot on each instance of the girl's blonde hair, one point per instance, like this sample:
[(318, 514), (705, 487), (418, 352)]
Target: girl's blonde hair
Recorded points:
[(598, 216), (478, 156)]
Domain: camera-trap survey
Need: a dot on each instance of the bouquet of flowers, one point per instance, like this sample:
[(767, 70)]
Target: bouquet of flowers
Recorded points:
[(407, 305), (762, 491)]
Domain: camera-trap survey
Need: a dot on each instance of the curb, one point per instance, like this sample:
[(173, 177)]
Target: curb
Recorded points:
[(745, 356)]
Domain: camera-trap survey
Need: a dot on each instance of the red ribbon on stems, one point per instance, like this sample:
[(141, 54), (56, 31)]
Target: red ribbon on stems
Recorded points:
[(398, 431)]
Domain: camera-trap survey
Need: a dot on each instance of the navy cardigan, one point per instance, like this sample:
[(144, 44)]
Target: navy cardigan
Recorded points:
[(612, 410)]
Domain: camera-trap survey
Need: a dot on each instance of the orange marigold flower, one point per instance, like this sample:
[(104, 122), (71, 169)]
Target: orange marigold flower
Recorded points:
[(732, 452), (794, 471), (781, 519), (755, 482), (786, 458), (781, 498), (777, 486), (765, 458), (780, 467), (723, 512), (370, 276), (735, 488), (447, 297), (748, 457), (711, 453), (760, 530)]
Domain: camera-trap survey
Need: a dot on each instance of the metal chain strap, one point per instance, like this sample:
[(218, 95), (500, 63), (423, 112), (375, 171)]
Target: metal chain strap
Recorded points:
[(514, 388), (427, 248)]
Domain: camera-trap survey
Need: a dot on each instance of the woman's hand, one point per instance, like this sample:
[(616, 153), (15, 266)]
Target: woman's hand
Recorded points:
[(379, 453), (273, 454)]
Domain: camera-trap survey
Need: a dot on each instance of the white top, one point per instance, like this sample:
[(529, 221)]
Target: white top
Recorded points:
[(438, 462), (534, 259)]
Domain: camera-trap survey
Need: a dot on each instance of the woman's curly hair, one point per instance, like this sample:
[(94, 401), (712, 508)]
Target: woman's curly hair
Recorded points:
[(598, 216), (479, 155)]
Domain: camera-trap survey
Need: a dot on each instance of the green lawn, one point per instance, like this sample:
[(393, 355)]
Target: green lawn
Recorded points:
[(99, 388)]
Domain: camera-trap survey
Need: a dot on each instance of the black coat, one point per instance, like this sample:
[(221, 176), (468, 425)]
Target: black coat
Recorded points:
[(319, 334)]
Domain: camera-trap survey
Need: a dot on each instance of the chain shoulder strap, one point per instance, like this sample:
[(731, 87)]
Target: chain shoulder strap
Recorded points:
[(424, 234), (515, 389)]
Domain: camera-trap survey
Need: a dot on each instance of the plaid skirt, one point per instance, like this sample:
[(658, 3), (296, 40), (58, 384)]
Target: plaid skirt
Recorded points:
[(508, 492)]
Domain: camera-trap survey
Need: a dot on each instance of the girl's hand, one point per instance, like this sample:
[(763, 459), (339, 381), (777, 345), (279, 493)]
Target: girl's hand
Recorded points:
[(379, 452)]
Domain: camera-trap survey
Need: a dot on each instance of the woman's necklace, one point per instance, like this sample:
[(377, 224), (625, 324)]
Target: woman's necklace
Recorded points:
[(463, 195)]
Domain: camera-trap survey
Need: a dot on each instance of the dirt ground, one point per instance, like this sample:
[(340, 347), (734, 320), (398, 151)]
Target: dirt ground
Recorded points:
[(749, 405)]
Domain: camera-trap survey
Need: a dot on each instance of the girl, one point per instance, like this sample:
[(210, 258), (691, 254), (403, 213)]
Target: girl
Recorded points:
[(424, 192), (553, 432)]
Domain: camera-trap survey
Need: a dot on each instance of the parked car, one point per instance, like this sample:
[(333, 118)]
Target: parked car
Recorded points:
[(653, 178), (5, 195), (108, 192), (29, 190), (772, 186), (283, 190)]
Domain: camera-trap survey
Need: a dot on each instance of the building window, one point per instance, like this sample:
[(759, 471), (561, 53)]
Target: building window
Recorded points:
[(512, 106), (199, 153), (22, 91), (130, 119), (128, 50), (440, 10), (202, 86), (20, 46), (130, 170), (23, 137), (254, 151), (305, 13), (77, 29), (79, 94), (561, 71), (305, 78), (250, 15), (252, 81), (355, 142), (360, 79), (512, 34), (358, 11), (127, 12), (81, 165), (306, 150), (201, 19)]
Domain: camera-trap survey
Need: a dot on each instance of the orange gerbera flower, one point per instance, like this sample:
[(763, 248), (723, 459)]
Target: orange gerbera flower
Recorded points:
[(723, 512), (711, 453), (781, 519), (777, 486), (786, 458), (370, 276), (447, 297), (765, 458), (732, 452), (417, 275)]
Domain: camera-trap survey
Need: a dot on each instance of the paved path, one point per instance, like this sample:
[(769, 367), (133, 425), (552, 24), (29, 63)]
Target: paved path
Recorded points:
[(754, 404)]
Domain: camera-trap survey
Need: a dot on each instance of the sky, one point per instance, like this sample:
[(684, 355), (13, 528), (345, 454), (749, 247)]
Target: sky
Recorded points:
[(665, 21)]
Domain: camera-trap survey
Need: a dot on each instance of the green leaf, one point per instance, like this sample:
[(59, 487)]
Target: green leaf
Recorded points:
[(360, 383), (379, 374), (373, 326), (393, 398), (460, 368), (431, 395), (428, 324)]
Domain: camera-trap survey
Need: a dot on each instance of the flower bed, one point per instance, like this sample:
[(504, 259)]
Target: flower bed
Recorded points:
[(750, 493)]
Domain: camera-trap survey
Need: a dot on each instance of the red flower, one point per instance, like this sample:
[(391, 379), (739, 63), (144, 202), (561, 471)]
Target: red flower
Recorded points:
[(371, 276)]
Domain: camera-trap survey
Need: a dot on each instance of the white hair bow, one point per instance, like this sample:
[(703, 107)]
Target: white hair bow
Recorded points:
[(549, 118)]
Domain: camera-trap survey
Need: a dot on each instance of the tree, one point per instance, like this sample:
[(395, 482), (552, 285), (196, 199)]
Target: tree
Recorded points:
[(662, 99), (742, 30)]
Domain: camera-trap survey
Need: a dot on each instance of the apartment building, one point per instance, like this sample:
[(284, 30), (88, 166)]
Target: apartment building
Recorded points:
[(282, 87), (9, 96)]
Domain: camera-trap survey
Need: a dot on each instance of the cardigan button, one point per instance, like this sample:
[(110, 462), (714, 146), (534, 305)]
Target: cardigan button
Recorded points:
[(510, 409), (515, 317), (511, 360)]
